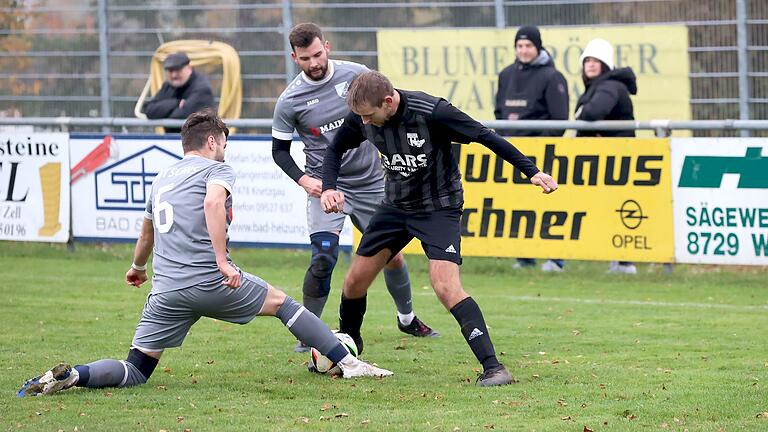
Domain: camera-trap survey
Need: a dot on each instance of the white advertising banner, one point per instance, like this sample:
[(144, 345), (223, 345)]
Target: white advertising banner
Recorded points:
[(34, 187), (720, 194), (112, 178)]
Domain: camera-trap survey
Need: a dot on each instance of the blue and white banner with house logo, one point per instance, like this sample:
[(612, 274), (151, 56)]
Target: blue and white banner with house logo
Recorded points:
[(112, 179), (720, 194)]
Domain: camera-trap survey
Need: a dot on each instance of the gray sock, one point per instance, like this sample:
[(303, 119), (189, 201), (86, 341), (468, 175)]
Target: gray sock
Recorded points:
[(399, 286), (109, 373), (308, 328), (315, 304)]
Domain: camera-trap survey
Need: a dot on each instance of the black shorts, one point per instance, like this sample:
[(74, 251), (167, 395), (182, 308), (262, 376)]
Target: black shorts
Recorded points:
[(392, 228)]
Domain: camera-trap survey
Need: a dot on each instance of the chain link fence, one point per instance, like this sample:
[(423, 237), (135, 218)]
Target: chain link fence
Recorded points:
[(91, 58)]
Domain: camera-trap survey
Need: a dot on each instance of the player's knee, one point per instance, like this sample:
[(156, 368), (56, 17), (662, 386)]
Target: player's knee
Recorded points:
[(140, 367), (354, 285), (397, 262), (325, 253)]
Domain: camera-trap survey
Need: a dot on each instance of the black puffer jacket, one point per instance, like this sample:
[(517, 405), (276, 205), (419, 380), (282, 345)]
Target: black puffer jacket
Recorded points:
[(607, 98), (532, 91)]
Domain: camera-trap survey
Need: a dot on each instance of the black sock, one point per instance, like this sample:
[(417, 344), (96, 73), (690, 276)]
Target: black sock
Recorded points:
[(85, 374), (351, 312), (472, 324)]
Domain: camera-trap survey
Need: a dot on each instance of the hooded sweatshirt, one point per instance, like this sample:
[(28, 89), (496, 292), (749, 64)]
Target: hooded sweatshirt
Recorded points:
[(607, 98), (532, 91)]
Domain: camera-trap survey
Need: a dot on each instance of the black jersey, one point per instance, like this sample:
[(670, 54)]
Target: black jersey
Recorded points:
[(415, 147)]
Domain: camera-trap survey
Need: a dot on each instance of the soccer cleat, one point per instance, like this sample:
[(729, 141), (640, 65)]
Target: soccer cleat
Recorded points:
[(60, 377), (551, 266), (417, 328), (301, 347), (352, 367), (497, 376)]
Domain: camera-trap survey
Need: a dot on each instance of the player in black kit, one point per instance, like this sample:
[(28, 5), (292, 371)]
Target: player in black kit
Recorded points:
[(414, 131)]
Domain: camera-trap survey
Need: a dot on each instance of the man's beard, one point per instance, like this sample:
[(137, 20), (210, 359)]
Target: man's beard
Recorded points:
[(322, 71)]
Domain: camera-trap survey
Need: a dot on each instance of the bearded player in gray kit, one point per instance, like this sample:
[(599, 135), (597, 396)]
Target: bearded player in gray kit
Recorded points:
[(314, 105), (187, 217)]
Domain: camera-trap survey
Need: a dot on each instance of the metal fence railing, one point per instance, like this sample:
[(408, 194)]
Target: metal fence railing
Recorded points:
[(91, 59), (661, 128)]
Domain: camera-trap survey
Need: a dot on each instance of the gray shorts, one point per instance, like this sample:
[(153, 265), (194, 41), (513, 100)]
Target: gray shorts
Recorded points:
[(359, 205), (168, 316)]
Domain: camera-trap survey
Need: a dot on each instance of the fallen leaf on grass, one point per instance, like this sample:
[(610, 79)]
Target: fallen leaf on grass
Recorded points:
[(304, 420), (179, 419), (586, 429), (340, 415), (664, 425), (365, 422)]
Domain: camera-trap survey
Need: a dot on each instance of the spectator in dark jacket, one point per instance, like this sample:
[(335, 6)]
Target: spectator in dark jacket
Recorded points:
[(185, 91), (607, 90), (606, 97), (532, 89)]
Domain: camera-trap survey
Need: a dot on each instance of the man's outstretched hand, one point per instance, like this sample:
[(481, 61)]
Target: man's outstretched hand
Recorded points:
[(545, 181)]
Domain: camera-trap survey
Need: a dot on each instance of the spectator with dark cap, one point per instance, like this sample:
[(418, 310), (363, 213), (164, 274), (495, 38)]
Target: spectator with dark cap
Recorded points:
[(532, 89), (184, 92)]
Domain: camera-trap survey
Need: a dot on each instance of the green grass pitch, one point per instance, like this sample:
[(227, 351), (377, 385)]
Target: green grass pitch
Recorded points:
[(680, 351)]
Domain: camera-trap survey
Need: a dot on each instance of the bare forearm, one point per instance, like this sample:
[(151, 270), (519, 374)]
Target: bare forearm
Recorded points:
[(144, 244)]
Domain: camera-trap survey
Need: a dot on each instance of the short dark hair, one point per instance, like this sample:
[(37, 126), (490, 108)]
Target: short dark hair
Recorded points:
[(302, 35), (199, 126), (369, 87)]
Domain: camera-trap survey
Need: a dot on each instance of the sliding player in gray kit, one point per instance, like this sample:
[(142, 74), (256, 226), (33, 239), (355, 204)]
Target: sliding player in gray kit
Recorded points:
[(314, 105), (188, 214)]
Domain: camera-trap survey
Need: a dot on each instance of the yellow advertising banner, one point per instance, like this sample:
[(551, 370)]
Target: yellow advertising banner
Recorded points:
[(614, 202), (462, 65)]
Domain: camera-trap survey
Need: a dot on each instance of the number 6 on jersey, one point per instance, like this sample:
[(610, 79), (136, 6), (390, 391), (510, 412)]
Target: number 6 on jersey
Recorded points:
[(163, 207)]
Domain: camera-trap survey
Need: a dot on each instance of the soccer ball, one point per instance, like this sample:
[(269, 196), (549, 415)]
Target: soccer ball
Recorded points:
[(323, 364)]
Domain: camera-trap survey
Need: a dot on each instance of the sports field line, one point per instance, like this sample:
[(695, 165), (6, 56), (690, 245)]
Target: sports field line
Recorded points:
[(681, 305)]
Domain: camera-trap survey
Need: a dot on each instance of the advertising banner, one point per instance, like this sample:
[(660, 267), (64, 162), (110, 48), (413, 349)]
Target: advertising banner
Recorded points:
[(34, 187), (614, 202), (462, 65), (721, 200), (112, 179)]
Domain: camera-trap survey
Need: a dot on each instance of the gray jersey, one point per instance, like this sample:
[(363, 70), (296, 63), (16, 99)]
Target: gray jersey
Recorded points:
[(183, 253), (316, 109)]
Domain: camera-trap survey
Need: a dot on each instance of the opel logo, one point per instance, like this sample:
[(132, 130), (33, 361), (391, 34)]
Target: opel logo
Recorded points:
[(631, 214)]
